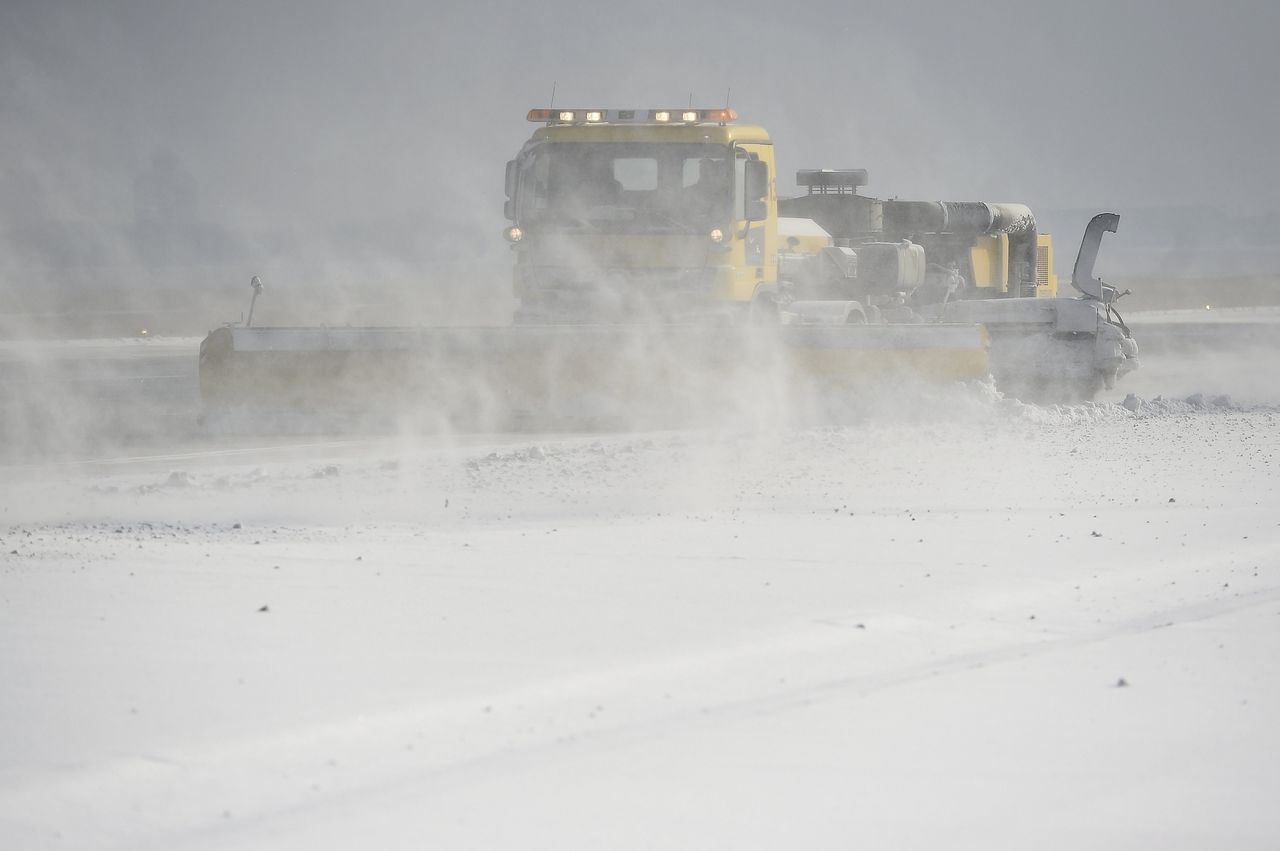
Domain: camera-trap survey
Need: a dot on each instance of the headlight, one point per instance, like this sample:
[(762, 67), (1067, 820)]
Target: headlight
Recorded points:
[(513, 234), (716, 235)]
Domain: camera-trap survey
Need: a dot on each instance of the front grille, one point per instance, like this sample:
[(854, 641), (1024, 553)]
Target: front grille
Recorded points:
[(639, 282), (607, 294)]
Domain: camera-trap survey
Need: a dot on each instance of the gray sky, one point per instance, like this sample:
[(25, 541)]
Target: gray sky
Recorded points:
[(393, 117)]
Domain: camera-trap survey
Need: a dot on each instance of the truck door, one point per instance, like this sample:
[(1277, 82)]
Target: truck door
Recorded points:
[(756, 225)]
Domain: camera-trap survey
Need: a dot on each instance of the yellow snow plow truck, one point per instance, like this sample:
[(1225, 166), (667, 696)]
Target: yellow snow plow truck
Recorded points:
[(657, 270)]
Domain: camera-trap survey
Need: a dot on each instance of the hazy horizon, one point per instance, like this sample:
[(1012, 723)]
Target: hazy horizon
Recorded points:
[(331, 141)]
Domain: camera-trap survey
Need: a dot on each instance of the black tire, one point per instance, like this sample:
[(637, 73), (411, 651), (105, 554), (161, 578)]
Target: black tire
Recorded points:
[(764, 312)]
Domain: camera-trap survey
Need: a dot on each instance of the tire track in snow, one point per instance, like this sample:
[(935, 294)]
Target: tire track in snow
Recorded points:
[(212, 795)]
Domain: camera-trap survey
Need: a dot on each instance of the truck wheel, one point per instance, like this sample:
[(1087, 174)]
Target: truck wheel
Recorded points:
[(764, 311)]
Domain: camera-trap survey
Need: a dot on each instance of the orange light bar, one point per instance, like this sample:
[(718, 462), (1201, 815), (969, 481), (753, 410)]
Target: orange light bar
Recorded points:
[(720, 115)]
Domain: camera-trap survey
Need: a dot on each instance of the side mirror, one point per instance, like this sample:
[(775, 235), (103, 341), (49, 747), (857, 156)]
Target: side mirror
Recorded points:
[(756, 191), (512, 172), (513, 175)]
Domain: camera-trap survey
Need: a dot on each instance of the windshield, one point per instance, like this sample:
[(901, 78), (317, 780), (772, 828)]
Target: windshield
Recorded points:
[(627, 188)]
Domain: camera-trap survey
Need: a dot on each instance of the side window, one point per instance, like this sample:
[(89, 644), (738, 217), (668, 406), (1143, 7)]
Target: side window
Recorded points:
[(636, 173)]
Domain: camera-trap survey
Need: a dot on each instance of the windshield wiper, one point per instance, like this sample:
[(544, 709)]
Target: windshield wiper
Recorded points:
[(558, 219), (682, 227)]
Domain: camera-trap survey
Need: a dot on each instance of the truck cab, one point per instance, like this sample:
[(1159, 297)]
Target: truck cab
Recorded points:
[(628, 215)]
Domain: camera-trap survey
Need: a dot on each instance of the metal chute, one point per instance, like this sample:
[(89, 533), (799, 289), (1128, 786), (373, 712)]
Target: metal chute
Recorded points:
[(1082, 273)]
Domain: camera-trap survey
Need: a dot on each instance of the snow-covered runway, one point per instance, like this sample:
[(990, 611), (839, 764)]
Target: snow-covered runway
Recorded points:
[(994, 625)]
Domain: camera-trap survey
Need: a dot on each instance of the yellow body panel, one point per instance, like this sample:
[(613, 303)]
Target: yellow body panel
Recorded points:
[(802, 236), (990, 256)]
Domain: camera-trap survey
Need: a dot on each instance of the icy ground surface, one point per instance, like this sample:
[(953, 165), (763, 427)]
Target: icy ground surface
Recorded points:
[(1001, 626)]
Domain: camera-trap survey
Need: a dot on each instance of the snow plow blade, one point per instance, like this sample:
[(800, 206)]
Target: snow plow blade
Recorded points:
[(482, 378)]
